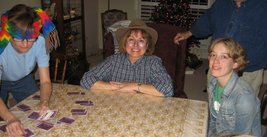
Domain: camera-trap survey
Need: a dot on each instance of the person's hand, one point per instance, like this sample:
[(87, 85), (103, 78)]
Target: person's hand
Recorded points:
[(115, 85), (181, 36), (15, 128), (126, 87), (43, 107)]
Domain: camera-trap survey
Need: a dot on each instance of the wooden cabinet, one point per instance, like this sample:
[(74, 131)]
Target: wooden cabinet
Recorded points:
[(68, 16)]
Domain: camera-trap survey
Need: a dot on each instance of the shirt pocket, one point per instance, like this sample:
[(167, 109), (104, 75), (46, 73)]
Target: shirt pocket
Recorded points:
[(227, 118)]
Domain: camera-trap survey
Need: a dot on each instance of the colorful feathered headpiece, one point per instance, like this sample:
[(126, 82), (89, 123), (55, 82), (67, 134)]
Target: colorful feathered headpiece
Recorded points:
[(43, 24)]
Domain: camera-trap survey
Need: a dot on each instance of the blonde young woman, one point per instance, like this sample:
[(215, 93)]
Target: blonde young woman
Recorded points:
[(234, 108)]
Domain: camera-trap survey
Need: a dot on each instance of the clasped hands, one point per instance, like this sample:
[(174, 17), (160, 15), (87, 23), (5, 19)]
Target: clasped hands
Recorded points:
[(124, 87)]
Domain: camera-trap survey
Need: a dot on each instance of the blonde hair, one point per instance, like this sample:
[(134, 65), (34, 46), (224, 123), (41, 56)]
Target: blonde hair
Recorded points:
[(236, 52)]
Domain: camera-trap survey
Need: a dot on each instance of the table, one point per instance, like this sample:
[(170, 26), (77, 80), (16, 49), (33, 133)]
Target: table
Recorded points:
[(116, 114)]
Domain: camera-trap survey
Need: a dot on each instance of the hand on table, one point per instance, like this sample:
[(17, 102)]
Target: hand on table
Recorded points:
[(15, 128), (43, 107)]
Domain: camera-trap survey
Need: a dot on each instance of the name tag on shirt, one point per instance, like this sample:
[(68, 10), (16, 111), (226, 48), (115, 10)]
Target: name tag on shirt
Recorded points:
[(216, 106)]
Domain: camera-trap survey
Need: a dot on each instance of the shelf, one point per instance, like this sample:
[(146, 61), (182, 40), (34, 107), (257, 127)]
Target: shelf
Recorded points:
[(72, 19), (69, 21)]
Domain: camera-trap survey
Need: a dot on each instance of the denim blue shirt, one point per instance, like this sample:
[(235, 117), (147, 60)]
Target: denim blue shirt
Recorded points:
[(247, 25), (239, 111), (118, 68)]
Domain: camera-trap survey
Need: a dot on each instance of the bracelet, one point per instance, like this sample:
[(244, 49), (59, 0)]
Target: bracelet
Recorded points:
[(138, 85)]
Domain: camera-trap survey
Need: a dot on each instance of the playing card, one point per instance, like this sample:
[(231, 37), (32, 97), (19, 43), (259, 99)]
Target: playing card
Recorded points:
[(24, 107), (78, 110), (79, 113), (73, 93), (81, 101), (48, 115), (34, 115), (90, 103), (45, 125), (36, 97), (3, 128), (66, 120), (29, 133)]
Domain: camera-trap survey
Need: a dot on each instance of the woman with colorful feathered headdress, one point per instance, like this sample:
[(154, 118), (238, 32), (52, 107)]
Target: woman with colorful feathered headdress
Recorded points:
[(27, 35)]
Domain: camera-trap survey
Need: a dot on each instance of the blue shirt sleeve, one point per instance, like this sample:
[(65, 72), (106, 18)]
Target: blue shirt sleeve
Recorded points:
[(161, 80), (100, 72)]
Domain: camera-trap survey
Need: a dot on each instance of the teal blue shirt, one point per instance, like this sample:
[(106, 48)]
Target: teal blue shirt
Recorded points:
[(18, 65)]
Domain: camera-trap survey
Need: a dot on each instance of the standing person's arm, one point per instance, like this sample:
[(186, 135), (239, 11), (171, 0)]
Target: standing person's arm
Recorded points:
[(45, 88), (181, 36), (203, 27), (14, 126)]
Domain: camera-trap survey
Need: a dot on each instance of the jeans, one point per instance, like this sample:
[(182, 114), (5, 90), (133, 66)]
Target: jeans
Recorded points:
[(20, 89)]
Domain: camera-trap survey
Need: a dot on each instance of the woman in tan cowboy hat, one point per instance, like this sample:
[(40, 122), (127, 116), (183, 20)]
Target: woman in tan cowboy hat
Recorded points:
[(134, 69)]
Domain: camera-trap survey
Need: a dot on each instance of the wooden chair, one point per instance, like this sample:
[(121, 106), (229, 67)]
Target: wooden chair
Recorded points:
[(110, 17), (172, 55), (60, 67)]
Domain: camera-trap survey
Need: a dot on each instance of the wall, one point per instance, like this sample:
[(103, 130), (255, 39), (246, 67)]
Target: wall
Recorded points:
[(91, 26), (7, 4)]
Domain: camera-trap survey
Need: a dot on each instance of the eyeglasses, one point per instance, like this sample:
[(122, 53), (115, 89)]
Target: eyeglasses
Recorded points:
[(140, 43), (24, 40), (222, 57)]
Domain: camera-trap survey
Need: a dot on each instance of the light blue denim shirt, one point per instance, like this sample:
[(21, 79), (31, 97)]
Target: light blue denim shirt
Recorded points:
[(239, 111)]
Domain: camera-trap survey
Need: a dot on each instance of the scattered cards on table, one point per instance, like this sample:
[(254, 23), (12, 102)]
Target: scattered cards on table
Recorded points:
[(24, 107), (47, 115)]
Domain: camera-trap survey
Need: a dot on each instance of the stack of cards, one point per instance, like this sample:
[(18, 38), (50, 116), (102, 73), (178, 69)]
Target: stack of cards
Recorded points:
[(84, 102), (48, 115), (24, 107), (66, 120), (45, 125), (78, 111)]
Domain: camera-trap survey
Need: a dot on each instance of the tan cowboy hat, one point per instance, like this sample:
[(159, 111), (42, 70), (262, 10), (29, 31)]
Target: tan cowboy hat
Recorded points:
[(137, 24)]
